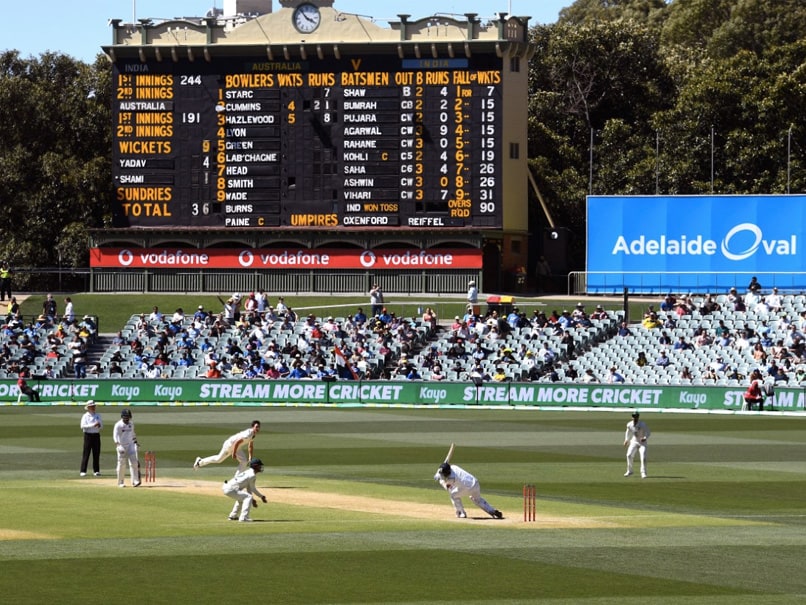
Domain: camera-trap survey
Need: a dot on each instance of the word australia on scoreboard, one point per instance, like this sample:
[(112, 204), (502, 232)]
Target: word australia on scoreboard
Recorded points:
[(351, 142)]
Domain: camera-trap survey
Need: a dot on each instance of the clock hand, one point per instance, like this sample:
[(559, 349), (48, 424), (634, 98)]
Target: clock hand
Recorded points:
[(308, 18)]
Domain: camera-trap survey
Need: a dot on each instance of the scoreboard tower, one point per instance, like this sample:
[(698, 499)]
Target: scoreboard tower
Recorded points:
[(311, 127)]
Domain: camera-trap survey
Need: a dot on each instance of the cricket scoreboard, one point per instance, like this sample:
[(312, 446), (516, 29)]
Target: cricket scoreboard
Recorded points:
[(371, 141)]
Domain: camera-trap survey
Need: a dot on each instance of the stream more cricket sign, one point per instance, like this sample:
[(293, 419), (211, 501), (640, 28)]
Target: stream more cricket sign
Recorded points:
[(381, 393)]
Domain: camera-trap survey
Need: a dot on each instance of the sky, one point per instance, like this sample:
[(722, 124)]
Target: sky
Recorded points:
[(79, 28)]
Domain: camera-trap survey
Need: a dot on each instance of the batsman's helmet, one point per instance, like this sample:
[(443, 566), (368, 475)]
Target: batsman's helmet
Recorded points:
[(125, 413), (256, 464), (445, 469)]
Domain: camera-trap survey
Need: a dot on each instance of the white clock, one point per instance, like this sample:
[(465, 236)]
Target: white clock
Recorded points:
[(306, 18)]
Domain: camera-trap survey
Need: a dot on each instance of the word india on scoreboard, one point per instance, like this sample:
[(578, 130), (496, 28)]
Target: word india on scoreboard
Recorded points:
[(373, 141)]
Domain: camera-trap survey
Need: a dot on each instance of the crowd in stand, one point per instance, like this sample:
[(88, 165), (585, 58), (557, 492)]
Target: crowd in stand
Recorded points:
[(47, 346), (251, 339)]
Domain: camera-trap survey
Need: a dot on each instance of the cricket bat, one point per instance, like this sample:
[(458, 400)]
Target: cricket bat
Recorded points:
[(450, 453)]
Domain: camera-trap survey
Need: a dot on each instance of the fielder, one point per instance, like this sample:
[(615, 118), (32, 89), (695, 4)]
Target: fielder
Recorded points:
[(635, 440), (233, 448), (126, 446), (241, 488), (458, 483)]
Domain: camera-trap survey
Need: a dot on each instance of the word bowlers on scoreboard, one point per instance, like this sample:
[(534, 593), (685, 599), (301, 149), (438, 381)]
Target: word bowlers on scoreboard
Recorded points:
[(349, 142)]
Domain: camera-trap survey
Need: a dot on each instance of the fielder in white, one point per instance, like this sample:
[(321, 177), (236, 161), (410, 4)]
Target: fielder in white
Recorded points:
[(635, 440), (233, 448), (458, 483), (241, 488), (126, 446)]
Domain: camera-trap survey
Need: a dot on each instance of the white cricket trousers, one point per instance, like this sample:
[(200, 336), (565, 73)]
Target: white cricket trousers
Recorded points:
[(641, 449), (226, 452), (474, 493), (243, 501), (128, 454)]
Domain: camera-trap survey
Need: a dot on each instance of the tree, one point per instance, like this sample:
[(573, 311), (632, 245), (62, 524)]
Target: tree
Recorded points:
[(56, 158)]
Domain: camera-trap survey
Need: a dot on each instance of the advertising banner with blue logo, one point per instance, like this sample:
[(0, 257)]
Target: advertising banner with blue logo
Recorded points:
[(704, 243)]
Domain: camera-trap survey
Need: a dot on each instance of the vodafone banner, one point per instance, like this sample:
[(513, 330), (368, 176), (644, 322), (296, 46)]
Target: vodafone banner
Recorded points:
[(291, 258)]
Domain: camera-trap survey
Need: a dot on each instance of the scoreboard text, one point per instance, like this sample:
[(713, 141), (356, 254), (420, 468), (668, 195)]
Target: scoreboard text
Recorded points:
[(372, 141)]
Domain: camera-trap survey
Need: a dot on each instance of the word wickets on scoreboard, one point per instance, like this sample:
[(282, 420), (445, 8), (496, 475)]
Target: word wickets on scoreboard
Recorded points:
[(236, 143)]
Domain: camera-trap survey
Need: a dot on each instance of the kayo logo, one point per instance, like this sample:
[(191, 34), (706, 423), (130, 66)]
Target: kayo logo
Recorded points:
[(740, 243)]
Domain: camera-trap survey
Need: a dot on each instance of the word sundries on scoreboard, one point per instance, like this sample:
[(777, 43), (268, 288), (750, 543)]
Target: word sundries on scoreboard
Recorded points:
[(352, 142)]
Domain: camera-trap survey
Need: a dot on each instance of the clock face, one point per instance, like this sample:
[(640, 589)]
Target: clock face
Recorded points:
[(306, 18)]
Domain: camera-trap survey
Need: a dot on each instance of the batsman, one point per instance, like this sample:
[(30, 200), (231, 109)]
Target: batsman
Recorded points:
[(458, 483)]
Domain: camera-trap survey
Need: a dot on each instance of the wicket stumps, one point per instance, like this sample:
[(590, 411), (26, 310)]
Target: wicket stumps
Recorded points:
[(151, 467), (529, 496)]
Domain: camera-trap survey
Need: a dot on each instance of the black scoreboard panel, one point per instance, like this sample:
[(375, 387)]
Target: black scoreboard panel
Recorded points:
[(373, 141)]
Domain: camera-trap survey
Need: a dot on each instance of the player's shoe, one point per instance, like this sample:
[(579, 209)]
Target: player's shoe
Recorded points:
[(197, 464), (82, 474), (628, 473), (497, 514), (121, 485), (97, 474), (461, 514), (233, 517), (247, 520), (136, 484)]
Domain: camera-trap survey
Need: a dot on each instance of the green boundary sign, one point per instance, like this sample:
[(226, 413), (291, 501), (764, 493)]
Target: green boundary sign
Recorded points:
[(345, 393)]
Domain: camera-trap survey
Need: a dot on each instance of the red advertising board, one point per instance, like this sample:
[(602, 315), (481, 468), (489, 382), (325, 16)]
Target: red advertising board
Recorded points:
[(287, 258)]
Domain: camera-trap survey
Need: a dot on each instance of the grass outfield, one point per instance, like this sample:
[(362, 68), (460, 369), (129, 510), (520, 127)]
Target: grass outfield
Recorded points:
[(355, 517)]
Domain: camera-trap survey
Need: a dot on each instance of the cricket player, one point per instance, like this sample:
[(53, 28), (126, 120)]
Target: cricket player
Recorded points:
[(126, 446), (241, 488), (635, 440), (233, 448), (458, 482)]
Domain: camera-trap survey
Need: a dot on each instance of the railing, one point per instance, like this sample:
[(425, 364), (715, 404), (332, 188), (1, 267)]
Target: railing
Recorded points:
[(661, 282), (53, 279), (331, 282)]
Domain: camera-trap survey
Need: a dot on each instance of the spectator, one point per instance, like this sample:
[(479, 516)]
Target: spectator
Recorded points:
[(624, 330), (472, 293), (681, 344), (213, 371), (78, 350), (30, 392), (668, 304), (49, 309), (754, 286), (651, 321), (754, 395), (155, 318), (69, 316), (5, 282), (500, 374), (685, 373), (615, 377), (774, 301), (376, 300), (642, 360), (588, 376), (709, 305), (663, 360)]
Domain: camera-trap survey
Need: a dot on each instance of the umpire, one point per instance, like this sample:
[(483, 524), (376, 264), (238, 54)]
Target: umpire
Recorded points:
[(91, 424)]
